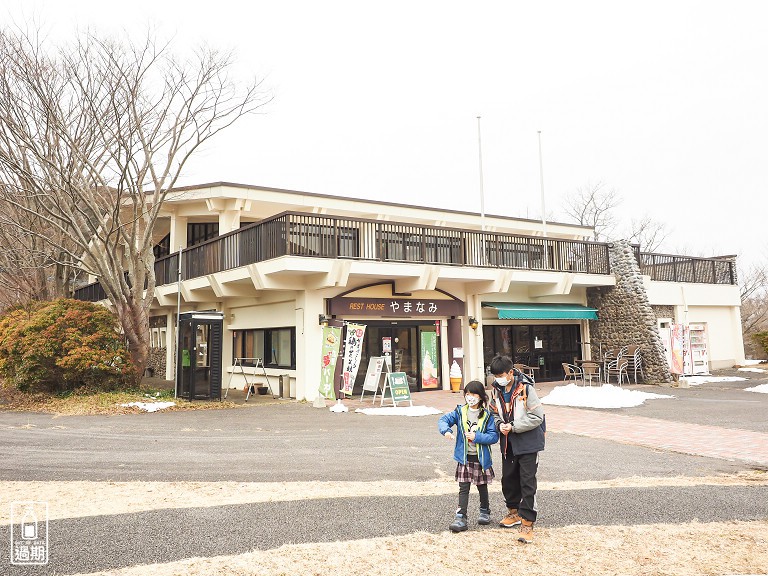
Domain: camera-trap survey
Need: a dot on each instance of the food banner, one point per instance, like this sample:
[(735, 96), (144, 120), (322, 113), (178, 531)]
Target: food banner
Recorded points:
[(429, 364), (677, 346), (353, 348), (330, 352)]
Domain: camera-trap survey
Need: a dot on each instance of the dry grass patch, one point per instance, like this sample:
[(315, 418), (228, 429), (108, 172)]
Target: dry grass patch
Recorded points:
[(83, 402), (66, 499), (690, 549)]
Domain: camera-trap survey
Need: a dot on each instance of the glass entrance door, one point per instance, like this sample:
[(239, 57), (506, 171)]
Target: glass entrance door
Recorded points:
[(402, 343)]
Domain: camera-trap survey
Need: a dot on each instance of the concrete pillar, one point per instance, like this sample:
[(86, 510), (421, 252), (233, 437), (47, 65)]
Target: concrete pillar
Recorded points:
[(309, 305), (178, 232), (229, 220)]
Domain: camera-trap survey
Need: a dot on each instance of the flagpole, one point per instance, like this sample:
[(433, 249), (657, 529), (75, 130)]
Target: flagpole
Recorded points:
[(484, 258), (178, 313), (541, 182)]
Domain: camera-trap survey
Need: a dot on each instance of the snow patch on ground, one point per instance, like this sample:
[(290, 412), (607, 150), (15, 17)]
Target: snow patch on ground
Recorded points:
[(150, 406), (762, 389), (696, 380), (605, 396), (760, 370), (400, 411)]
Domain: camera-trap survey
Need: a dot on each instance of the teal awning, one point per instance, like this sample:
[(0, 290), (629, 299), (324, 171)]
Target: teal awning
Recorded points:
[(512, 311)]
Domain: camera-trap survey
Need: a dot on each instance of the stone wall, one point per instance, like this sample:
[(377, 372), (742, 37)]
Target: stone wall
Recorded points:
[(156, 363), (625, 315), (664, 311)]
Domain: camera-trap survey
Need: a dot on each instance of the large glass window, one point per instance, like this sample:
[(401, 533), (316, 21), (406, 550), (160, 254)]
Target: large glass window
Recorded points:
[(543, 346), (275, 346)]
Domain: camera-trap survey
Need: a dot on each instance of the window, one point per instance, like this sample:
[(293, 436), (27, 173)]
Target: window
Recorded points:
[(198, 233), (275, 346)]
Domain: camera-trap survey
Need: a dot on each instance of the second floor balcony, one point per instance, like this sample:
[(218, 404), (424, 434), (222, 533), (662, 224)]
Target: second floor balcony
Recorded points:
[(316, 236), (297, 234)]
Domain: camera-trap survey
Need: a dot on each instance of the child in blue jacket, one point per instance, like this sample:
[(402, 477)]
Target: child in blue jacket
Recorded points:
[(475, 432)]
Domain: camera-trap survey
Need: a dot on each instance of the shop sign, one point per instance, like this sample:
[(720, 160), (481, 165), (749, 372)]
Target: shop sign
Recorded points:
[(395, 307)]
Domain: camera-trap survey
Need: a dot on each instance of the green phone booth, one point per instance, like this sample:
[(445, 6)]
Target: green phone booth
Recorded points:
[(198, 364)]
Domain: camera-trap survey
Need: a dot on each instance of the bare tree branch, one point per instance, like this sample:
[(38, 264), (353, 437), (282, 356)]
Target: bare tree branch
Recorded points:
[(593, 205), (92, 136)]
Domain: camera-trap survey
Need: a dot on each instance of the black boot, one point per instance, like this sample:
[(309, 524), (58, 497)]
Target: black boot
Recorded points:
[(484, 517)]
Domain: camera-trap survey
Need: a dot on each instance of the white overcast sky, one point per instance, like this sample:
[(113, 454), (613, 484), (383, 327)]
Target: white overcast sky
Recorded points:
[(665, 101)]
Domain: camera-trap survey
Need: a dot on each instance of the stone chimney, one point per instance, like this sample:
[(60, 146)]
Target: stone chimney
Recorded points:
[(625, 315)]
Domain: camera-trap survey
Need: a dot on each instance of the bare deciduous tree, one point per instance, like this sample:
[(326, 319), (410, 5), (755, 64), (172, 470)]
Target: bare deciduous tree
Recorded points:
[(593, 205), (753, 284), (648, 233), (92, 137)]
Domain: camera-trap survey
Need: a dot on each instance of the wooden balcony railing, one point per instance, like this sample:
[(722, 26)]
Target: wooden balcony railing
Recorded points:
[(300, 234), (671, 268)]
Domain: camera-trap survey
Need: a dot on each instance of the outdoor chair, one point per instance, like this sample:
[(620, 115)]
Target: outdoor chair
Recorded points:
[(611, 355), (572, 371), (617, 368), (635, 360), (527, 370), (590, 371)]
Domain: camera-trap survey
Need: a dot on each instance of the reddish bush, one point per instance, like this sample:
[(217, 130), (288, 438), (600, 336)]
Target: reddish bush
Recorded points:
[(61, 345)]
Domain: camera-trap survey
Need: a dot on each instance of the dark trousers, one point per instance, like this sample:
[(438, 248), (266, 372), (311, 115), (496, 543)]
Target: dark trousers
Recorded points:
[(482, 489), (518, 483)]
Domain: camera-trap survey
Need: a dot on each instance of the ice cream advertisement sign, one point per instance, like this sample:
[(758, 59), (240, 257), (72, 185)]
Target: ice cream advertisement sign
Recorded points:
[(429, 361)]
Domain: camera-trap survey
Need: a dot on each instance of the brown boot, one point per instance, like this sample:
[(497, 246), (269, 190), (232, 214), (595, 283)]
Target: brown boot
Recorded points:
[(511, 520), (526, 532)]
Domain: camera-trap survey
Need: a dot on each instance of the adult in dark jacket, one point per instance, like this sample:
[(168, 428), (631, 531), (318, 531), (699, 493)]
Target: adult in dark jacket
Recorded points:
[(520, 421)]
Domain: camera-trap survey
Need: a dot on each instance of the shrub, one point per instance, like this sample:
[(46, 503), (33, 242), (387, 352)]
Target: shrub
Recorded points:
[(61, 345), (762, 339)]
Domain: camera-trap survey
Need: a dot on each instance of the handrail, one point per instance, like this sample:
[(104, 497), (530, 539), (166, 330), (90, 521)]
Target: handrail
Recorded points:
[(319, 236)]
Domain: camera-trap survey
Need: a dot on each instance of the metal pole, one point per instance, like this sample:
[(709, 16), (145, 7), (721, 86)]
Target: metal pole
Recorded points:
[(484, 258), (178, 313), (541, 180)]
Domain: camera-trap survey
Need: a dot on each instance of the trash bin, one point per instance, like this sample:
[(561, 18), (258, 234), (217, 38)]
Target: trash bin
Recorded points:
[(285, 386)]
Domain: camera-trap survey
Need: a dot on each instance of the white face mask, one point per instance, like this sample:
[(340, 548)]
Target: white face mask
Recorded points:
[(472, 400), (501, 381)]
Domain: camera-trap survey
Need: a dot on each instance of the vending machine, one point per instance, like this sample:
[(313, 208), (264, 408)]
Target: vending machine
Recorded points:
[(686, 347), (697, 358)]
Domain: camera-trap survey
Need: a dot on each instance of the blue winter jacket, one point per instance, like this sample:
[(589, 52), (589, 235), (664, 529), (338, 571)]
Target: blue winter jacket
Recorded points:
[(485, 435)]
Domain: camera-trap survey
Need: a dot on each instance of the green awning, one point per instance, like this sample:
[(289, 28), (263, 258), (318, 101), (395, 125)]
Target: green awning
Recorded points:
[(512, 311)]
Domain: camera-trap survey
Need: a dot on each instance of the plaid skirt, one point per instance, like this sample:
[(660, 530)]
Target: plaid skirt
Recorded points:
[(473, 472)]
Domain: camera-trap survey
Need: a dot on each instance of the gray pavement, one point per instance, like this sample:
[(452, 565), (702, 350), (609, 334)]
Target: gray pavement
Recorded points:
[(293, 441), (287, 441), (108, 542)]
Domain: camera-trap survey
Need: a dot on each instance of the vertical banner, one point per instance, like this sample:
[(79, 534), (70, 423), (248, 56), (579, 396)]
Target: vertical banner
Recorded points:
[(330, 352), (353, 349), (677, 349), (429, 363)]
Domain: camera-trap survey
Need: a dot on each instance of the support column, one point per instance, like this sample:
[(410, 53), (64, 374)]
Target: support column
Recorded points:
[(309, 305), (178, 232)]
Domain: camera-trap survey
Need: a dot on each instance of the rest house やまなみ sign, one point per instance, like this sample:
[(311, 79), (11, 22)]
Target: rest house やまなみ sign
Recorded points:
[(395, 307)]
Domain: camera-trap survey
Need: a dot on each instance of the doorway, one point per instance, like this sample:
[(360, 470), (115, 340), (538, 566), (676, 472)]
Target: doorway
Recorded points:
[(199, 360), (411, 347)]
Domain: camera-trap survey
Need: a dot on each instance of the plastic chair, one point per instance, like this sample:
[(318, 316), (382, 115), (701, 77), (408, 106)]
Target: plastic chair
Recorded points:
[(590, 371), (635, 360), (572, 371), (617, 368)]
